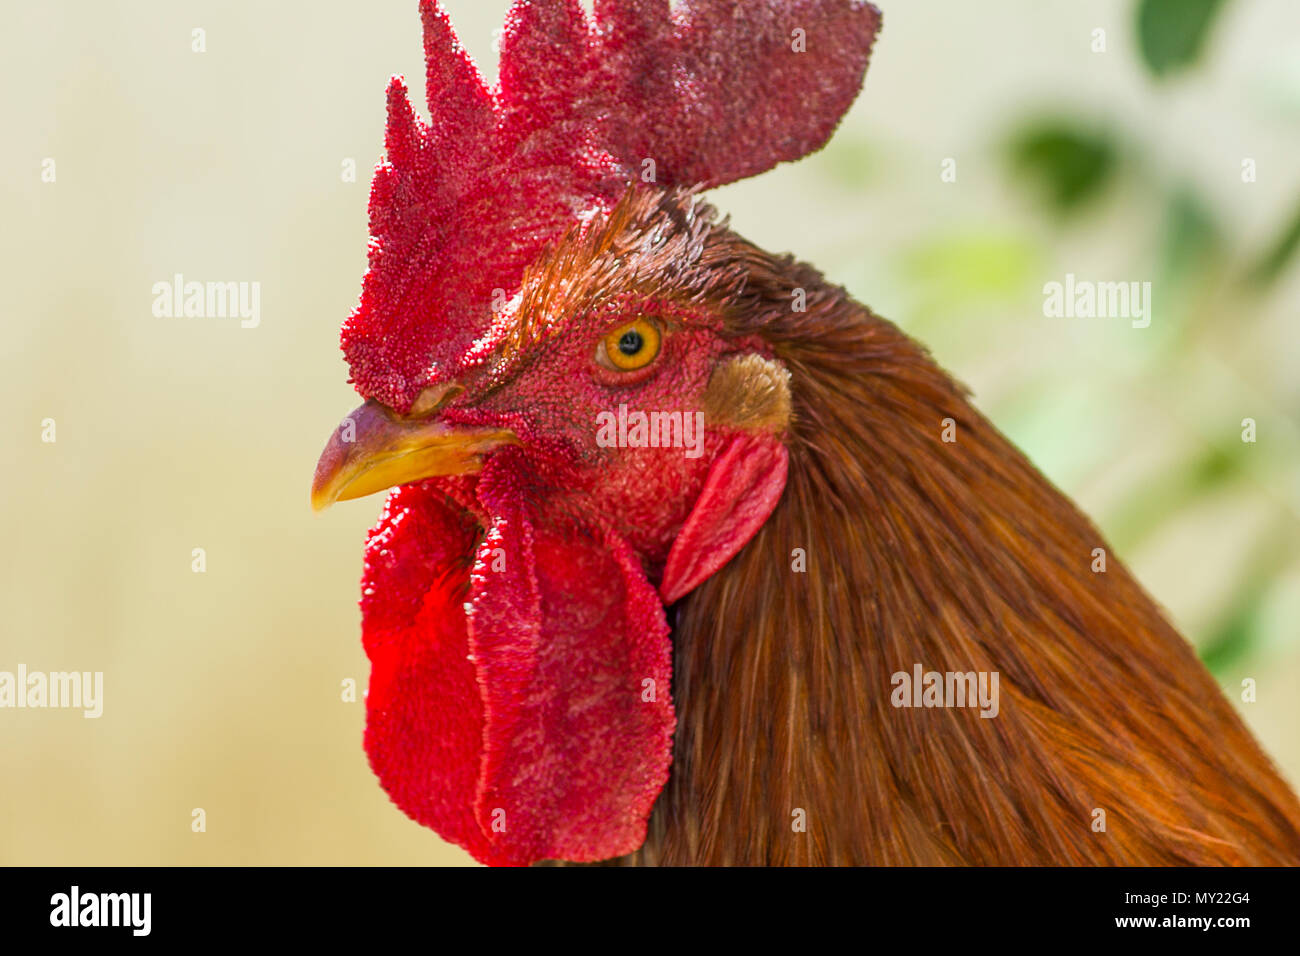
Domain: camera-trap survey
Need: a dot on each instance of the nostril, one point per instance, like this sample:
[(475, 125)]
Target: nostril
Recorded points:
[(433, 398)]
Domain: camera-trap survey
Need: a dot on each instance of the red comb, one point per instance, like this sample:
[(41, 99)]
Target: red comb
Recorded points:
[(712, 91)]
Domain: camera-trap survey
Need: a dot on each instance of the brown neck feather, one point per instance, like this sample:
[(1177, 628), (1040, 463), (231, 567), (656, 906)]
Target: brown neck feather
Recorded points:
[(960, 557)]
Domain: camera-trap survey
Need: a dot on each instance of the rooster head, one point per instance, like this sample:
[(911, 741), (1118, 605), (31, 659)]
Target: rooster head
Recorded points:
[(563, 387)]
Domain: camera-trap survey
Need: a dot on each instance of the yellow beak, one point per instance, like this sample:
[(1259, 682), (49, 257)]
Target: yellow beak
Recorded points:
[(374, 449)]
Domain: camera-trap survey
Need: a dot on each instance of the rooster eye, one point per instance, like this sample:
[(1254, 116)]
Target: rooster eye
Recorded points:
[(630, 347)]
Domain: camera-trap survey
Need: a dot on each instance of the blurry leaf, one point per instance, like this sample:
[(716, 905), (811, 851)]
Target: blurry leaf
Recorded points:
[(1171, 33), (1191, 235), (1234, 638), (1242, 628), (1154, 503), (1220, 464), (1067, 164), (1274, 261), (969, 268)]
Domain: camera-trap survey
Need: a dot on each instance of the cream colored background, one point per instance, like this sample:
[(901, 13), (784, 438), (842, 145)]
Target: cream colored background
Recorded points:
[(223, 688)]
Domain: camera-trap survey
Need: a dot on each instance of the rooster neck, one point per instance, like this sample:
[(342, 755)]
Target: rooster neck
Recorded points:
[(1112, 744)]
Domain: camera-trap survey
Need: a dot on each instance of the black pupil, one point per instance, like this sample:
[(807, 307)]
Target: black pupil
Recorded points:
[(630, 343)]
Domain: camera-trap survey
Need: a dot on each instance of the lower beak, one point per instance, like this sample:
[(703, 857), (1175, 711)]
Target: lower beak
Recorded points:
[(373, 449)]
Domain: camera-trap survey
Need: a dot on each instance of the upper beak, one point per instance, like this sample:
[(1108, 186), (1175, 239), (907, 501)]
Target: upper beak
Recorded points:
[(373, 449)]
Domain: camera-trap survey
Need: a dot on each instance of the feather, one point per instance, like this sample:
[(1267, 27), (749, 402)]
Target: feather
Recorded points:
[(958, 556)]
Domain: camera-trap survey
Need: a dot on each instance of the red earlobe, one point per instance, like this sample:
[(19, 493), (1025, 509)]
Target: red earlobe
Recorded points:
[(742, 489)]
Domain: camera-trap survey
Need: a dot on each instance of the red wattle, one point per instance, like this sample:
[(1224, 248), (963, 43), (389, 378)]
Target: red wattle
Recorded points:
[(541, 726)]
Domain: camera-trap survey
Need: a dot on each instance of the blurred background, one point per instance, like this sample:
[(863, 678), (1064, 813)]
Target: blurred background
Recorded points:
[(996, 147)]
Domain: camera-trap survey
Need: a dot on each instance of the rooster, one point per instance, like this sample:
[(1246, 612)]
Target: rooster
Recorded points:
[(674, 518)]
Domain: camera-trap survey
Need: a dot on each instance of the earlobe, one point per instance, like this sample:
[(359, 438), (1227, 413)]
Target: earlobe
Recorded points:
[(740, 493), (749, 392)]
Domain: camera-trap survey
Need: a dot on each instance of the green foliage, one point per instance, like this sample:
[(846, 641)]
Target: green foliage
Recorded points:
[(1189, 365), (1172, 33), (1192, 235), (1235, 638), (1065, 162), (1274, 261), (1240, 631), (953, 274), (970, 268)]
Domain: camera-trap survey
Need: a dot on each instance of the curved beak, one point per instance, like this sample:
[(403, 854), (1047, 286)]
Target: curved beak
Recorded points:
[(374, 449)]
